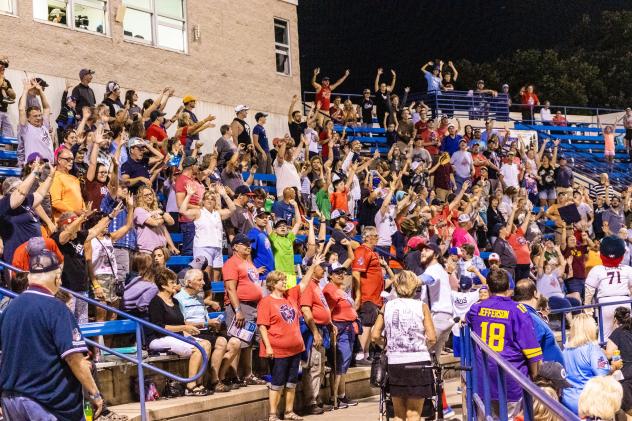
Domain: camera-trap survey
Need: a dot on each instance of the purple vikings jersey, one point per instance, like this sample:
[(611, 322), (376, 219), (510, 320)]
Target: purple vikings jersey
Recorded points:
[(506, 327)]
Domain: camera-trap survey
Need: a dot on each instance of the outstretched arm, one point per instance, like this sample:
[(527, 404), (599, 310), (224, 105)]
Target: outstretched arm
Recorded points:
[(339, 81)]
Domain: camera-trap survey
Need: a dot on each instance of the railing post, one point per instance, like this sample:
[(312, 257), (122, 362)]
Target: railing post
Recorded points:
[(467, 362), (563, 328), (600, 324), (527, 405), (487, 395), (141, 376), (502, 394)]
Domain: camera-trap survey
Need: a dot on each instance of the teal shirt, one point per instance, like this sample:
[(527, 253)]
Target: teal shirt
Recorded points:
[(192, 306)]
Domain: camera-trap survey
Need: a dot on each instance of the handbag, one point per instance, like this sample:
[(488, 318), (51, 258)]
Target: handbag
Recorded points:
[(379, 374)]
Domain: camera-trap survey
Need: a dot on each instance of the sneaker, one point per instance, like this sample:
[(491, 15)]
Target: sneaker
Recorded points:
[(347, 401), (340, 405), (448, 412), (314, 410), (326, 407), (363, 362), (254, 381)]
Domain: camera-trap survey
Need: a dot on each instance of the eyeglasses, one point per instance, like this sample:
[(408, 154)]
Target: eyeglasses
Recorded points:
[(65, 158)]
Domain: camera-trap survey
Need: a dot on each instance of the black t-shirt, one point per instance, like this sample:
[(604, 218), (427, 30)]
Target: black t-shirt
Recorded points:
[(622, 337), (598, 221), (4, 105), (17, 225), (75, 273), (547, 178), (367, 111), (381, 101), (339, 248), (412, 262), (367, 212), (296, 130), (495, 159), (135, 169), (163, 315)]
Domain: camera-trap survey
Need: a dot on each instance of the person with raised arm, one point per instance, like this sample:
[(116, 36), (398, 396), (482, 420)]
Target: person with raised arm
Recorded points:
[(323, 93)]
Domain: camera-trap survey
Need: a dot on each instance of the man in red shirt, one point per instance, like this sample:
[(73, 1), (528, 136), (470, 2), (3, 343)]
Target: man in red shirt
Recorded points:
[(188, 176), (521, 248), (156, 132), (529, 100), (323, 93), (243, 293), (318, 318), (368, 280), (22, 253)]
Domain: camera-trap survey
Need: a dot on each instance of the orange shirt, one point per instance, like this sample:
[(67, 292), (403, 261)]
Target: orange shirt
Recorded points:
[(313, 297), (340, 200), (520, 247), (281, 317), (21, 257), (367, 262), (340, 303), (247, 277)]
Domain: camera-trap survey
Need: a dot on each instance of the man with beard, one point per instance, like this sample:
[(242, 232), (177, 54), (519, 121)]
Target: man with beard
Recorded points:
[(613, 217)]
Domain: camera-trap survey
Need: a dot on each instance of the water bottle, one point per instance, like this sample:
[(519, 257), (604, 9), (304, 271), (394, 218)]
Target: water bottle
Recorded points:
[(87, 410), (616, 356)]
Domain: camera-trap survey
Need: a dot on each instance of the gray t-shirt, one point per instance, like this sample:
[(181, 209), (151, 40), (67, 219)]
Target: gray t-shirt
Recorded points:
[(35, 139)]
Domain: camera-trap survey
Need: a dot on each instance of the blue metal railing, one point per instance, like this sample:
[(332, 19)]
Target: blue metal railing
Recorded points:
[(598, 306), (139, 323), (471, 345)]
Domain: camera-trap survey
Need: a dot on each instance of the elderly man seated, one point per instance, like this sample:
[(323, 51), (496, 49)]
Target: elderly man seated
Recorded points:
[(194, 308)]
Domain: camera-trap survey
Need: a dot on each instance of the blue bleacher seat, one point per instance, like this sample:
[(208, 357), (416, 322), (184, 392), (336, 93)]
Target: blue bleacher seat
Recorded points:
[(10, 172), (8, 141), (8, 155), (368, 139), (114, 327)]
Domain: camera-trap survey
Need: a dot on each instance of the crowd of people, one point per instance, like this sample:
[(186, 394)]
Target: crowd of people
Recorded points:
[(328, 266)]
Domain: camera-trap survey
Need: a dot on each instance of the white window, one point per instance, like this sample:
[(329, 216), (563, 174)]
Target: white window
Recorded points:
[(87, 15), (8, 6), (282, 46), (156, 22)]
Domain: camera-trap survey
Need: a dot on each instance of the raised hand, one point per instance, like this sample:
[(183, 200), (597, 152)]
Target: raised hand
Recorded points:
[(347, 72), (393, 73), (316, 71), (129, 200), (380, 71), (318, 259)]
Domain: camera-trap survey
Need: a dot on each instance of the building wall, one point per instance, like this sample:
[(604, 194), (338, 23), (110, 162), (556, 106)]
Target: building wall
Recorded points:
[(232, 63)]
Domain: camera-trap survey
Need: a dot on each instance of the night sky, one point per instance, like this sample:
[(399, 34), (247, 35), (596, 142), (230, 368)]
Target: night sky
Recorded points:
[(363, 35)]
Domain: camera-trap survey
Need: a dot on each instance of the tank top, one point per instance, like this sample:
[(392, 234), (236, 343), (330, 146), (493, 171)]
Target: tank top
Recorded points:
[(208, 229), (405, 333), (324, 96), (244, 136), (103, 259)]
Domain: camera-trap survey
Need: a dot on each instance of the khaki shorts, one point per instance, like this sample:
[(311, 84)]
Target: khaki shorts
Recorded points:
[(107, 285)]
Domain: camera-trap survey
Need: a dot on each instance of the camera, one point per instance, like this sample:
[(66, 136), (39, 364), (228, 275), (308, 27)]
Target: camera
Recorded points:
[(82, 21)]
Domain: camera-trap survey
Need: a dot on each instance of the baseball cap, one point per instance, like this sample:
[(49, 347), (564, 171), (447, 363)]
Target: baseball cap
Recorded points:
[(554, 371), (455, 251), (56, 12), (259, 115), (337, 267), (261, 212), (155, 114), (480, 81), (325, 78), (243, 189), (33, 156), (494, 256), (432, 246), (279, 222), (70, 98), (464, 217), (612, 247), (189, 161), (465, 284), (111, 86), (42, 261), (415, 242), (337, 213), (241, 239), (84, 72), (9, 184), (199, 262), (241, 107), (188, 98), (136, 142)]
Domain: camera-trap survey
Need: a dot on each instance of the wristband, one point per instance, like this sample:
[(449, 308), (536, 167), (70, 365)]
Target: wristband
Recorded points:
[(237, 309), (96, 396)]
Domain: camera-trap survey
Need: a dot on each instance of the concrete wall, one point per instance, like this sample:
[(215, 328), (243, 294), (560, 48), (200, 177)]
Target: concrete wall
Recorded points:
[(232, 63)]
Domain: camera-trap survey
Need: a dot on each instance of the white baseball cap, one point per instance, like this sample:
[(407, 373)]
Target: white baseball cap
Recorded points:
[(494, 256), (240, 108), (464, 217)]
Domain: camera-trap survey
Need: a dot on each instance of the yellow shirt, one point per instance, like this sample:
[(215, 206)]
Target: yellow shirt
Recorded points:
[(65, 194), (594, 259)]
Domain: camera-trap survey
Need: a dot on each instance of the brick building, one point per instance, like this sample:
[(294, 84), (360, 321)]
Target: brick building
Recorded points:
[(224, 52)]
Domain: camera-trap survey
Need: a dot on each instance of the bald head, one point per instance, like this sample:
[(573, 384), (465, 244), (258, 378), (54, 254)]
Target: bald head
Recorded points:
[(525, 290)]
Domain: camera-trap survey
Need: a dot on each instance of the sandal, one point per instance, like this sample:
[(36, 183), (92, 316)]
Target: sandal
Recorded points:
[(254, 381), (292, 416), (197, 391), (273, 417)]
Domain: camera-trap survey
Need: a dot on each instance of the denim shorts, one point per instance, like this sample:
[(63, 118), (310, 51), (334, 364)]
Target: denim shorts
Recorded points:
[(344, 346), (284, 372)]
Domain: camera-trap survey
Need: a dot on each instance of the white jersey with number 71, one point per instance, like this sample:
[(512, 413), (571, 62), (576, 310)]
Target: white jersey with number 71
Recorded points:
[(610, 281)]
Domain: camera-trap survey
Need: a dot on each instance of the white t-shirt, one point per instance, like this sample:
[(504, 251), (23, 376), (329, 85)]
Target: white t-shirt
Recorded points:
[(440, 290), (545, 115), (462, 163), (610, 282), (405, 333), (510, 173), (286, 176), (461, 303), (311, 138), (550, 285), (385, 225), (102, 250)]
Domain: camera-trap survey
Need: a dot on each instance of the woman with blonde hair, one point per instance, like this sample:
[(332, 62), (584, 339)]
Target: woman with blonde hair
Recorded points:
[(150, 222), (600, 399), (583, 359), (540, 411), (409, 332)]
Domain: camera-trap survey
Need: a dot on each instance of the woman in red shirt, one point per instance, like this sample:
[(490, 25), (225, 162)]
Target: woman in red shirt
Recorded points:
[(281, 341), (529, 100), (344, 317)]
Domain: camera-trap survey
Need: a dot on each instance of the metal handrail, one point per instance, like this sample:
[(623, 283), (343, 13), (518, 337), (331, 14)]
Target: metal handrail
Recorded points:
[(139, 340), (530, 389)]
